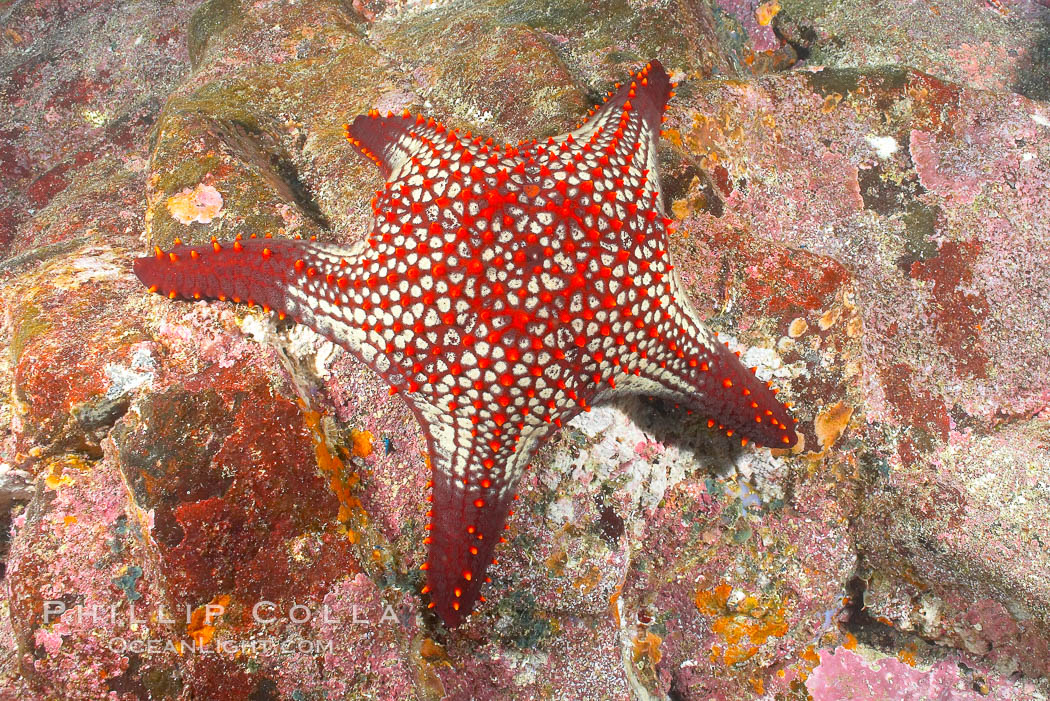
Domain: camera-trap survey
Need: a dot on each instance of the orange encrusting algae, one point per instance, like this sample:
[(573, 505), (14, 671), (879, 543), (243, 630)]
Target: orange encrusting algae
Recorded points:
[(742, 628), (352, 513)]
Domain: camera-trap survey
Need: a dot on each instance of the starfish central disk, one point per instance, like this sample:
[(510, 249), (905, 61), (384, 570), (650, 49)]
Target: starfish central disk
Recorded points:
[(501, 291)]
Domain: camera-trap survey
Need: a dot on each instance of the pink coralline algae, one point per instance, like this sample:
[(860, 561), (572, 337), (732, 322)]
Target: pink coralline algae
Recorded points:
[(502, 291), (943, 178), (843, 675)]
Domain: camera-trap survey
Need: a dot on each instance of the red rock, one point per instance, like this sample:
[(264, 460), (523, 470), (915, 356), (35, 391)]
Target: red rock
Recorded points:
[(229, 472)]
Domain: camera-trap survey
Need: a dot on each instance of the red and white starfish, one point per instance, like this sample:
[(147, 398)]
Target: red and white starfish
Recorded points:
[(502, 291)]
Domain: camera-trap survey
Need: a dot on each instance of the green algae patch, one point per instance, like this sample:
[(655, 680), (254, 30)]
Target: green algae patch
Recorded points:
[(257, 138), (30, 325), (211, 18)]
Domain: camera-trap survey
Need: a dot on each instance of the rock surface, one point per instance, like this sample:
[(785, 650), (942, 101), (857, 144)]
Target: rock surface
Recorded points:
[(200, 502)]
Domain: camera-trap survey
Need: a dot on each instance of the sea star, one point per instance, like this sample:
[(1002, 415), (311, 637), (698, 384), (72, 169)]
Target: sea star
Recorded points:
[(502, 291)]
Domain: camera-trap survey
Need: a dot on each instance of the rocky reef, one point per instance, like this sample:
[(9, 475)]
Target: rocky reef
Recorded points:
[(198, 501)]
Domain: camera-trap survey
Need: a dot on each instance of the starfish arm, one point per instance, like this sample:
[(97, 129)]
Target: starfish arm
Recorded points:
[(393, 141), (646, 95), (693, 369), (318, 285), (475, 471), (627, 129)]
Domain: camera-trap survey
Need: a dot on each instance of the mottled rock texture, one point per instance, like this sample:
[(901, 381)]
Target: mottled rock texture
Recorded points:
[(199, 502)]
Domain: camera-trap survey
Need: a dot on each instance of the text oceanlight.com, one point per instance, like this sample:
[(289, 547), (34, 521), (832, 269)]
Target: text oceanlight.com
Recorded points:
[(255, 646)]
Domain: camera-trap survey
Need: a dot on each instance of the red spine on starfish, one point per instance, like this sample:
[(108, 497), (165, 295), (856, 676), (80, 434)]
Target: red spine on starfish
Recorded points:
[(502, 290)]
